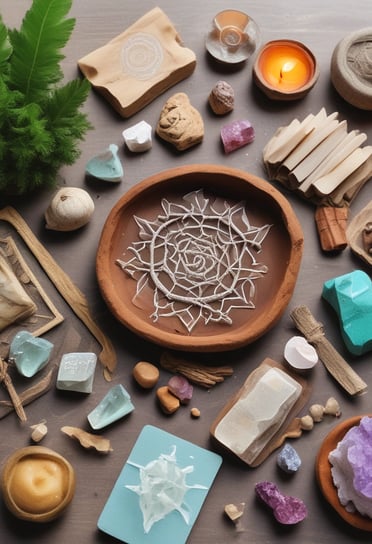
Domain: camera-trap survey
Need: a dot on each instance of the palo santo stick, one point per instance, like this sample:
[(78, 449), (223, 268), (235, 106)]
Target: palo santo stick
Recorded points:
[(332, 360), (206, 376)]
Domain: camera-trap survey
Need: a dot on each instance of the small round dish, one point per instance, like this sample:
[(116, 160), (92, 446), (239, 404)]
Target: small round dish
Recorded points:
[(351, 68), (37, 484), (324, 476), (187, 261)]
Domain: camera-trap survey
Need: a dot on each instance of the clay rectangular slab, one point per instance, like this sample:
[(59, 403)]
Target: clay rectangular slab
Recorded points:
[(122, 517), (142, 62)]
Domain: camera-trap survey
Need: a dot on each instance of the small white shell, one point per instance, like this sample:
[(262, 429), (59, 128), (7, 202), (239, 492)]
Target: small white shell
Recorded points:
[(69, 209)]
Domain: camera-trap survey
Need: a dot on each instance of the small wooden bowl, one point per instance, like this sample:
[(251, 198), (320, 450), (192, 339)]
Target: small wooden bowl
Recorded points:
[(281, 252), (324, 476), (37, 453)]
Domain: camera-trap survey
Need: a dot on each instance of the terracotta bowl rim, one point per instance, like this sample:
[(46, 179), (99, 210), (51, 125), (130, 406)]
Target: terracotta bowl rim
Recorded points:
[(324, 476), (232, 339)]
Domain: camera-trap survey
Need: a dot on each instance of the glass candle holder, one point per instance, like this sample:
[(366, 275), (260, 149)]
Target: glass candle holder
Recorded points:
[(233, 38)]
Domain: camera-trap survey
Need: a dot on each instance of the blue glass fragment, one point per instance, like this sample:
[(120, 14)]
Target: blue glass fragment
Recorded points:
[(106, 166), (115, 404), (29, 353), (76, 372)]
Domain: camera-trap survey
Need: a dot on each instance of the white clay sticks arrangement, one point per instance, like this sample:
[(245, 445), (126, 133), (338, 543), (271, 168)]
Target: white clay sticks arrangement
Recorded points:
[(319, 159)]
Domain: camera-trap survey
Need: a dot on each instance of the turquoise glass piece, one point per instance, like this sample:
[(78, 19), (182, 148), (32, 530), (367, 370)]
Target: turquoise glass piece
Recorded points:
[(106, 166), (115, 405), (29, 353), (76, 372), (350, 296)]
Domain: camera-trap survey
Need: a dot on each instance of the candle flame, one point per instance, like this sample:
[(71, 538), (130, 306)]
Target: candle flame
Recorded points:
[(286, 68)]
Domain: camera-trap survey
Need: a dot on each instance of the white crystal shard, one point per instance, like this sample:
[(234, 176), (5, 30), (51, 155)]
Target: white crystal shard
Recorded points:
[(163, 488), (138, 137), (253, 420)]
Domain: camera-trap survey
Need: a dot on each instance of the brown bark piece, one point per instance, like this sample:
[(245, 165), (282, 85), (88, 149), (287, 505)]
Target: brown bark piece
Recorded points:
[(138, 65), (331, 224)]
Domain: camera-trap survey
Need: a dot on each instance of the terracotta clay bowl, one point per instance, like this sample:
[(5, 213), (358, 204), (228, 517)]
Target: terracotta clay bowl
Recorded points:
[(41, 493), (281, 252), (324, 476)]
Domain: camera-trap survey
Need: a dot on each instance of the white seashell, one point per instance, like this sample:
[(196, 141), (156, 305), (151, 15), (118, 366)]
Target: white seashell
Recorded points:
[(39, 431), (69, 209), (300, 354)]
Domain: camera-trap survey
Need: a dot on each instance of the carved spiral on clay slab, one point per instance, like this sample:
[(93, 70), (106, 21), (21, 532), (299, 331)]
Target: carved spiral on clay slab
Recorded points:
[(142, 56)]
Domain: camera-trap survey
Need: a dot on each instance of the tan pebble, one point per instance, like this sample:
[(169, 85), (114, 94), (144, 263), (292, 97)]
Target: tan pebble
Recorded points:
[(234, 511), (332, 407), (168, 402), (221, 98), (316, 412), (306, 423), (195, 412), (146, 374)]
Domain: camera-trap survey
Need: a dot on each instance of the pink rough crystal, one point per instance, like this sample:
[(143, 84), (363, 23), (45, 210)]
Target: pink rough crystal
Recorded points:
[(181, 388), (286, 509), (236, 134), (352, 468)]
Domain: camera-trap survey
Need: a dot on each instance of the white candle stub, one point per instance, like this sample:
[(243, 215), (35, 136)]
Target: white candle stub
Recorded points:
[(300, 354)]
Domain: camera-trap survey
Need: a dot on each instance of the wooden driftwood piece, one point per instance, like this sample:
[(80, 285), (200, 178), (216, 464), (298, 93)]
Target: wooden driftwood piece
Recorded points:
[(331, 224), (356, 233), (332, 360), (68, 290)]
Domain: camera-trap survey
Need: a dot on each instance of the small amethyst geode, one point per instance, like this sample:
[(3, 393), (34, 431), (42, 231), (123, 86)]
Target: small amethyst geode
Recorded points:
[(352, 468)]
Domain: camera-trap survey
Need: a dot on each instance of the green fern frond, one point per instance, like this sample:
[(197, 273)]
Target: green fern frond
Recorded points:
[(5, 48), (35, 62)]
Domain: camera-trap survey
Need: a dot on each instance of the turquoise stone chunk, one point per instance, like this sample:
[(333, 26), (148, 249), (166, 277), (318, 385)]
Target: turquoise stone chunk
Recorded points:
[(350, 296), (115, 405), (29, 353), (76, 372), (106, 166)]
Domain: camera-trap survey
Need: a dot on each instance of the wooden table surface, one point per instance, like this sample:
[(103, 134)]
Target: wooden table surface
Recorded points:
[(320, 24)]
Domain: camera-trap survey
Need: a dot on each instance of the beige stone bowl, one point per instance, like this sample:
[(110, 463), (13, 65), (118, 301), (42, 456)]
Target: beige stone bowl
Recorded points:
[(281, 252), (38, 496)]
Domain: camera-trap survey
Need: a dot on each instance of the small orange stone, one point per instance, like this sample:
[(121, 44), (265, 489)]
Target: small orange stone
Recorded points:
[(146, 374), (168, 402)]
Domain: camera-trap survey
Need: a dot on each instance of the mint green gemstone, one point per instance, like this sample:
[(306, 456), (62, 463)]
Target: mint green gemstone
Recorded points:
[(115, 405), (29, 353), (76, 372), (106, 165)]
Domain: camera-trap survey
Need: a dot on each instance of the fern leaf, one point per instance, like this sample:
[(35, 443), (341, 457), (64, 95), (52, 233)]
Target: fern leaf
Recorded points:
[(5, 47), (35, 62)]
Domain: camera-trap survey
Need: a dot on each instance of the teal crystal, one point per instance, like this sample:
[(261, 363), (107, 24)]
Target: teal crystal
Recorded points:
[(76, 372), (115, 405), (350, 296), (106, 166), (29, 353)]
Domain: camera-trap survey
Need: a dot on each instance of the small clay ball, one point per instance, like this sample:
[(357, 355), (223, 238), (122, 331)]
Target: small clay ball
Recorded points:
[(221, 98), (146, 374)]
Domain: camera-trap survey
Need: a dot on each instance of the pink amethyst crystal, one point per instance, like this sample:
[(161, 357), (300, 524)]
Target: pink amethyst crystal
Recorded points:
[(286, 509), (352, 468), (181, 388), (236, 134)]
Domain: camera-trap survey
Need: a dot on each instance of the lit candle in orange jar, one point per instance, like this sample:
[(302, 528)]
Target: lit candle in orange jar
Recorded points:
[(285, 70)]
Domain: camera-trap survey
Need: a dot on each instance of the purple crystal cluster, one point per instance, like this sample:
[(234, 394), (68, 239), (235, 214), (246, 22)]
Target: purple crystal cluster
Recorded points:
[(236, 134), (288, 459), (286, 509), (352, 468)]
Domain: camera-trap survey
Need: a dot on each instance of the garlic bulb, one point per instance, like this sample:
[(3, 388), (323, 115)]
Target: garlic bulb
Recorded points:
[(69, 209)]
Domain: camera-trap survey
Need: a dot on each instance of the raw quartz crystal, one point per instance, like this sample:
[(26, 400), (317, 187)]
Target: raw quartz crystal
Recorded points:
[(138, 137), (181, 388), (288, 459), (76, 372), (286, 509), (352, 468), (162, 489), (29, 353), (115, 405), (236, 134)]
